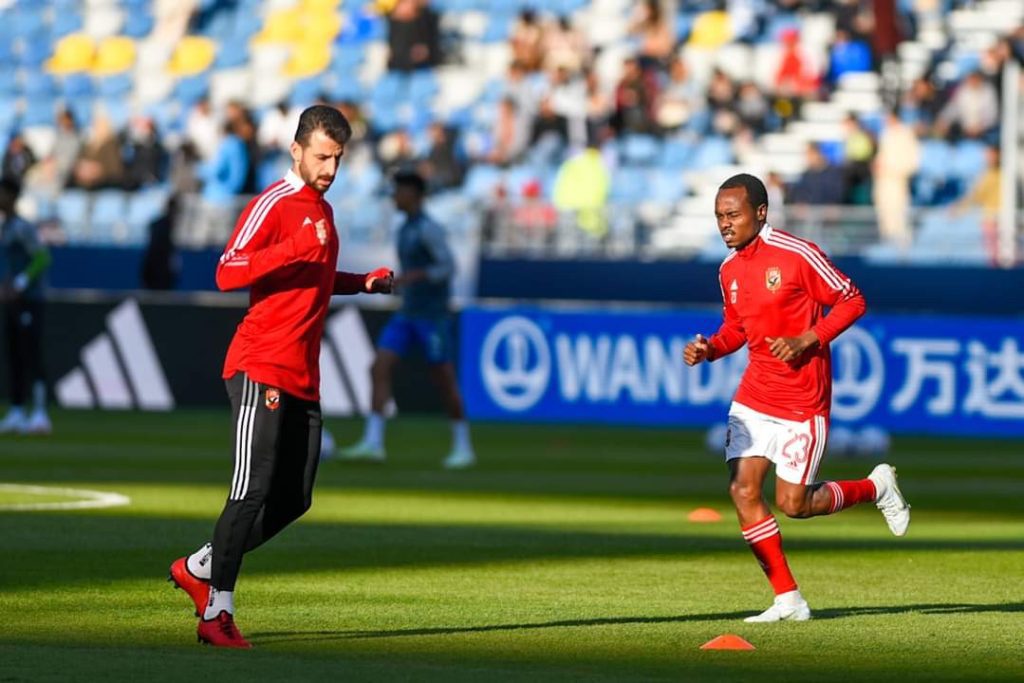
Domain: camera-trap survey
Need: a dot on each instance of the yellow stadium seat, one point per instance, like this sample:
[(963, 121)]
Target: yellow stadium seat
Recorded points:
[(113, 56), (711, 30), (73, 53), (282, 26), (193, 55), (320, 5), (308, 59), (321, 26)]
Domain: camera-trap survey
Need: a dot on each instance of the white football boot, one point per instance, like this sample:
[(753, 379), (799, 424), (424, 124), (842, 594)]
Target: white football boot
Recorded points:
[(890, 500), (363, 450), (14, 422), (789, 606), (460, 459), (38, 424)]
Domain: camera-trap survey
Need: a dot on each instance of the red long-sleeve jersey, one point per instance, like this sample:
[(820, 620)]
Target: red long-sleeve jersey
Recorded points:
[(276, 252), (779, 286)]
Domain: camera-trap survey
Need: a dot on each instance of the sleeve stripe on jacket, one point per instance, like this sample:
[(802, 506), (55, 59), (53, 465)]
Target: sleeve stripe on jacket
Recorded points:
[(259, 213), (828, 273)]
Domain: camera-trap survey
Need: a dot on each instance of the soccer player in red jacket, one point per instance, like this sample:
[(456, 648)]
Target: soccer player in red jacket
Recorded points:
[(775, 289), (284, 249)]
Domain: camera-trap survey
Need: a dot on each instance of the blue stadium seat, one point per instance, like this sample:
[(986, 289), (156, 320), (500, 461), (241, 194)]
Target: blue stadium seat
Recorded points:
[(109, 209), (639, 150), (481, 181), (713, 151), (77, 85), (191, 89), (39, 111), (73, 213), (114, 86), (676, 154), (82, 110), (39, 84), (138, 23), (65, 21), (144, 207), (967, 162), (629, 186)]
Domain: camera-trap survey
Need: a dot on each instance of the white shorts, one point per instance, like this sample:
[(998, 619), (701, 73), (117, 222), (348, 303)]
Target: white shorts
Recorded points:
[(796, 448)]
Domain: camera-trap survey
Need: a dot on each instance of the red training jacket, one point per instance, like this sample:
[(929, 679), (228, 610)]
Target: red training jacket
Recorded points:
[(274, 250), (779, 286)]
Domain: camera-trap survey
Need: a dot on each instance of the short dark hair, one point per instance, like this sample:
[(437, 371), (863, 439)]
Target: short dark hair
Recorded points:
[(10, 190), (757, 194), (322, 117), (412, 179)]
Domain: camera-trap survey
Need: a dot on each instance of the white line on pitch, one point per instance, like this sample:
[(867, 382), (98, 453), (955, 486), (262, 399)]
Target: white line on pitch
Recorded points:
[(87, 499)]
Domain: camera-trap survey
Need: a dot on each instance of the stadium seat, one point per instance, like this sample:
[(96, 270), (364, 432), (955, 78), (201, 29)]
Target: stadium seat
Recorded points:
[(639, 150), (77, 85), (107, 218), (73, 214), (114, 86), (308, 58), (193, 55), (114, 55), (73, 53)]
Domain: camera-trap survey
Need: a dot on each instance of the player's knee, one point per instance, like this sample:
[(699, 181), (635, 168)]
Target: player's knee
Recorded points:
[(796, 507), (743, 493)]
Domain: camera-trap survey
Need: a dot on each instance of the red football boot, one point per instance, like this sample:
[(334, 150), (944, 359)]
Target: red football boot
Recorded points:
[(221, 632), (197, 589)]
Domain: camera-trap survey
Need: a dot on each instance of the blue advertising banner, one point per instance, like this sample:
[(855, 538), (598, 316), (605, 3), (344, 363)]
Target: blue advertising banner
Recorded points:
[(907, 374)]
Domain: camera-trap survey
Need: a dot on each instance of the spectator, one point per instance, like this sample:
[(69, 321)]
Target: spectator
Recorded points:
[(509, 135), (276, 129), (414, 36), (66, 148), (986, 196), (846, 55), (819, 184), (245, 128), (635, 97), (395, 152), (146, 162), (795, 77), (203, 130), (184, 173), (776, 198), (972, 112), (569, 100), (599, 105), (896, 162), (565, 46), (721, 96), (920, 107), (752, 108), (223, 178), (549, 124), (581, 188), (680, 98), (100, 164), (527, 41), (161, 264), (18, 159), (652, 26), (441, 167), (858, 150)]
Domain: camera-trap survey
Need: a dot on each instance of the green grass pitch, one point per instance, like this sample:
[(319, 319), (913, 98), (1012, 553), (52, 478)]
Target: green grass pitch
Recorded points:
[(566, 555)]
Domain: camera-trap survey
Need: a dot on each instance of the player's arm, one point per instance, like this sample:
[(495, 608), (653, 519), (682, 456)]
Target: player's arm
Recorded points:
[(730, 337), (40, 260), (442, 265), (379, 281), (828, 286), (252, 254)]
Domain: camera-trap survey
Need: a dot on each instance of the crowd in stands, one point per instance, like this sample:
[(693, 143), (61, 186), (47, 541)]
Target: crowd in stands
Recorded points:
[(555, 101)]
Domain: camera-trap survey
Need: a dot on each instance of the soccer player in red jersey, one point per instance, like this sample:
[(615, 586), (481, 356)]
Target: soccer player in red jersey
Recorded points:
[(285, 250), (775, 289)]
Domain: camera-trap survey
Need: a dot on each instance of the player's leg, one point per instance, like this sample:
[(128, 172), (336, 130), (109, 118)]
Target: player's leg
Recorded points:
[(392, 345), (799, 459), (436, 339), (32, 350), (291, 489), (750, 445), (17, 417), (257, 440)]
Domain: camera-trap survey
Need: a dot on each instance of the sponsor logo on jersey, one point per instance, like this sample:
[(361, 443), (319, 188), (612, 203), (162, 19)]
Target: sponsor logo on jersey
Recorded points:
[(773, 278), (734, 289)]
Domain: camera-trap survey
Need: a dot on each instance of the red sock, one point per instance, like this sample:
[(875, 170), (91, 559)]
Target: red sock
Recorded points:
[(766, 542), (849, 493)]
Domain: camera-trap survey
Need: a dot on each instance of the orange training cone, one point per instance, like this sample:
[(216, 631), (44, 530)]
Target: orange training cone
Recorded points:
[(704, 515), (727, 641)]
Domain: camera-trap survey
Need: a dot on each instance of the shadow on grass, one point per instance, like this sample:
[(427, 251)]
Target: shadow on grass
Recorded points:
[(108, 548), (935, 608)]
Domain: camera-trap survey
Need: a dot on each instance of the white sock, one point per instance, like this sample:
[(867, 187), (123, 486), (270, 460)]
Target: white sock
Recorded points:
[(201, 561), (39, 396), (220, 601), (16, 413), (789, 598), (460, 436), (374, 433)]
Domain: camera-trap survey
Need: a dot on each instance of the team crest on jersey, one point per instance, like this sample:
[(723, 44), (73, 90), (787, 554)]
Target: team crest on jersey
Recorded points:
[(773, 278), (272, 399)]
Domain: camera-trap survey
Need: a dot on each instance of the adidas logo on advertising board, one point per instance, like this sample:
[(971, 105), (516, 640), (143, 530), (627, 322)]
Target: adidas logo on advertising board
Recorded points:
[(121, 370)]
